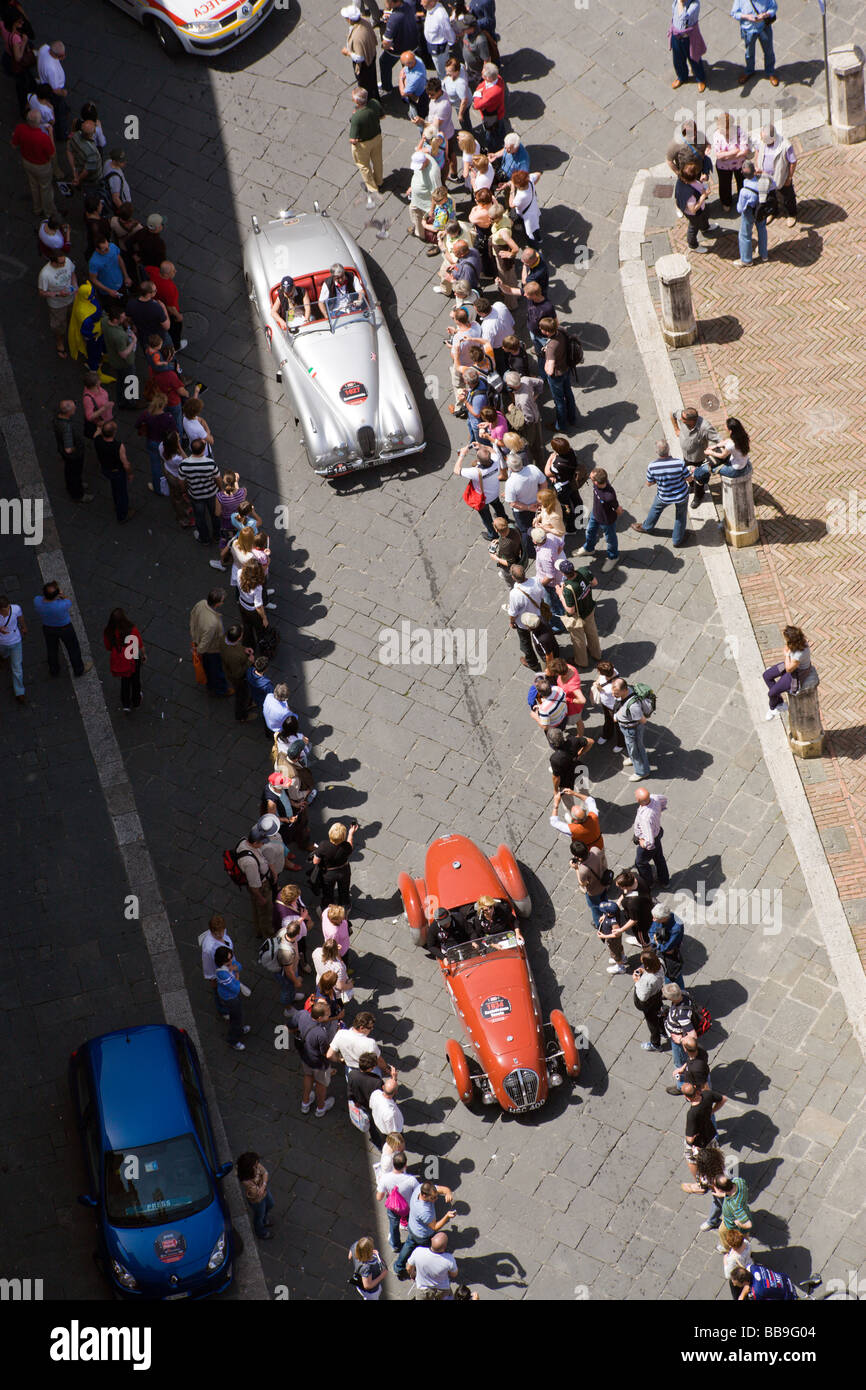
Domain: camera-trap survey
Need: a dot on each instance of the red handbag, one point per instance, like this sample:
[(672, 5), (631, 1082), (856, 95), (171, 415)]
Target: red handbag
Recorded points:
[(472, 497)]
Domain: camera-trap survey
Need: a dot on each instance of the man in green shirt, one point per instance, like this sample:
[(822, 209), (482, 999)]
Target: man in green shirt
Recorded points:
[(119, 340), (365, 137), (578, 604)]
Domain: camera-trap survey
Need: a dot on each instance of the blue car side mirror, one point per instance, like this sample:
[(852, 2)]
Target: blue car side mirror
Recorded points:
[(224, 1170), (87, 1201)]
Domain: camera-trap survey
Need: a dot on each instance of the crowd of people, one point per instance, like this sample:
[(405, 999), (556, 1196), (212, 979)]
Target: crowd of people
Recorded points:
[(121, 317)]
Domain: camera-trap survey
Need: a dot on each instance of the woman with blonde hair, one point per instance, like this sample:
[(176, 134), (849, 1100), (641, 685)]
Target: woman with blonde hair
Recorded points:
[(394, 1144), (549, 515), (251, 600), (334, 854), (245, 547), (432, 142), (469, 150), (440, 216), (503, 246), (481, 173), (327, 957), (154, 424), (335, 926), (369, 1270), (291, 908), (481, 217)]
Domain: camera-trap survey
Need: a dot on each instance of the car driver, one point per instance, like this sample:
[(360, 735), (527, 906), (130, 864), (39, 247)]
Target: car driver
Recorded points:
[(445, 932), (339, 291), (290, 298)]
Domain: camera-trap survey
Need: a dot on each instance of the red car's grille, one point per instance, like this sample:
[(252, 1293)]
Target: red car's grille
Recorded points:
[(521, 1087)]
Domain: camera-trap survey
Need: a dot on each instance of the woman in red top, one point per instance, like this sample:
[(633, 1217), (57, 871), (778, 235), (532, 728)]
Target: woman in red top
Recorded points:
[(122, 641), (567, 677)]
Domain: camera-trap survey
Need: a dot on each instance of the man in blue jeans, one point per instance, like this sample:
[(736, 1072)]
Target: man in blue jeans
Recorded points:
[(558, 373), (422, 1222), (630, 715), (670, 478), (54, 609), (400, 33), (755, 17)]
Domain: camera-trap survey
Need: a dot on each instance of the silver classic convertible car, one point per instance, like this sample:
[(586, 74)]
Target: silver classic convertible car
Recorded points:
[(310, 287)]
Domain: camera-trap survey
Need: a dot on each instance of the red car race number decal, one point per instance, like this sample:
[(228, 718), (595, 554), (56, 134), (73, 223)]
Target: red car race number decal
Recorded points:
[(353, 391), (496, 1006)]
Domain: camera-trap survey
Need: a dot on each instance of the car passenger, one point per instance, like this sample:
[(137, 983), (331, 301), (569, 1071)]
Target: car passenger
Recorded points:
[(489, 915), (289, 298), (446, 931)]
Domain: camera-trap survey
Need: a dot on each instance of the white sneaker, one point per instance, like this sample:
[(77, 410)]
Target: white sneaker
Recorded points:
[(583, 551), (217, 565), (626, 762), (247, 1028), (705, 1226), (238, 1047), (437, 289), (631, 940), (329, 1105), (267, 605), (306, 1106), (184, 342), (635, 777), (617, 969), (601, 742), (771, 713)]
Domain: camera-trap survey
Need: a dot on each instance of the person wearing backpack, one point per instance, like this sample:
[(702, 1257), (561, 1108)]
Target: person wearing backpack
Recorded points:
[(753, 204), (575, 591), (630, 715), (253, 865), (396, 1190), (557, 367)]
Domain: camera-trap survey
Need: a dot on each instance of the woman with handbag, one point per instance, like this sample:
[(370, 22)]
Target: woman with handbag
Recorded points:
[(369, 1271), (482, 488)]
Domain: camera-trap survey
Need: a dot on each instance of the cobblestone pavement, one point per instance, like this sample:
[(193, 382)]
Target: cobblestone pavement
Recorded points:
[(777, 345), (576, 1198)]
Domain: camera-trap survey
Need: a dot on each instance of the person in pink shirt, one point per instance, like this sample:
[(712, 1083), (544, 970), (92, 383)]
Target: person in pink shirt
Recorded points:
[(335, 926), (730, 147)]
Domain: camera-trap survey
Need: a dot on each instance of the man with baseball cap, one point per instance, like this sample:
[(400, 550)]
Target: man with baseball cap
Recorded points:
[(290, 298), (147, 245), (260, 858), (578, 605), (361, 47)]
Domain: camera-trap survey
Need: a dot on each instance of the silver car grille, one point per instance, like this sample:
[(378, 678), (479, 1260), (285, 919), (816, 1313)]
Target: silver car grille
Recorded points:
[(521, 1087)]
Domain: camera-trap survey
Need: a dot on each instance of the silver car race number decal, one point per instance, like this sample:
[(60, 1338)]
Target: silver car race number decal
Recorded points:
[(352, 392)]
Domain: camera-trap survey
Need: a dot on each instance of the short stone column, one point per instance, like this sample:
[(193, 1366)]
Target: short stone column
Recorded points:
[(678, 317), (738, 505), (847, 99), (804, 718)]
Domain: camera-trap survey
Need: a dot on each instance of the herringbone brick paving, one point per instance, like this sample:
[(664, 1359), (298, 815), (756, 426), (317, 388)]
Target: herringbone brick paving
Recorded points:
[(781, 346)]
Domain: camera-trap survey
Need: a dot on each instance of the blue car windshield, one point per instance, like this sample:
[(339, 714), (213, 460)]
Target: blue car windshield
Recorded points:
[(155, 1183), (343, 306)]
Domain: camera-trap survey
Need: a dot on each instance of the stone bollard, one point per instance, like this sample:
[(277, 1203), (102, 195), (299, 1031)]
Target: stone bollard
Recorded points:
[(678, 317), (738, 505), (805, 734), (847, 100)]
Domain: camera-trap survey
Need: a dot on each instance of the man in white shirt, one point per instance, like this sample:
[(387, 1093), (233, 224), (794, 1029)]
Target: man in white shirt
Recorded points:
[(386, 1113), (49, 69), (648, 835), (12, 629), (433, 1270), (57, 286), (438, 34), (210, 941), (350, 1044), (276, 709), (525, 598), (522, 487), (495, 322)]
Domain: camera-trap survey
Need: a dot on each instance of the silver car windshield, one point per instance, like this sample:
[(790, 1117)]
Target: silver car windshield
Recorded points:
[(340, 307)]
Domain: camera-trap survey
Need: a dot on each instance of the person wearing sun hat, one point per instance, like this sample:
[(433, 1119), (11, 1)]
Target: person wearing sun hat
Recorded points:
[(425, 177), (361, 46)]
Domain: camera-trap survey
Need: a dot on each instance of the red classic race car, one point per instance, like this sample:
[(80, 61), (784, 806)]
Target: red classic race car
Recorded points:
[(517, 1057)]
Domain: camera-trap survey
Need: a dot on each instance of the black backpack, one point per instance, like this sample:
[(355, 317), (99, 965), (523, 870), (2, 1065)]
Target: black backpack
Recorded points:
[(574, 350)]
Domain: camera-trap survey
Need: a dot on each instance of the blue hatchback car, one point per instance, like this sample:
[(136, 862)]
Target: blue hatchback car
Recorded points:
[(154, 1180)]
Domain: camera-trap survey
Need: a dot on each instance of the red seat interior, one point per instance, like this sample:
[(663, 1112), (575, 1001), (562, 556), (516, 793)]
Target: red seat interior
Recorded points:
[(311, 283)]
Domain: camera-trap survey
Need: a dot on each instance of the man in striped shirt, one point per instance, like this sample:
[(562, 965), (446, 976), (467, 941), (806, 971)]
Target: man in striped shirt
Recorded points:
[(201, 476), (670, 478)]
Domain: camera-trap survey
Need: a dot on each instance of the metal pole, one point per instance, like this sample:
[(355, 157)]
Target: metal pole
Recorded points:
[(826, 59)]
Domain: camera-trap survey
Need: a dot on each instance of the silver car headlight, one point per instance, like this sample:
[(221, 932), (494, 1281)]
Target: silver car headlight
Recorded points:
[(341, 453), (218, 1254), (203, 26), (123, 1276)]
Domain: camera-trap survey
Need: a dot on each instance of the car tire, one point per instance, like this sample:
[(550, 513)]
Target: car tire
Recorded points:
[(460, 1071), (413, 908), (167, 39), (565, 1037), (509, 875)]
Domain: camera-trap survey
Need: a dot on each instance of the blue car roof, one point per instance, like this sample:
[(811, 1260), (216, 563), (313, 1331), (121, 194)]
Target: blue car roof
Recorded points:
[(138, 1086)]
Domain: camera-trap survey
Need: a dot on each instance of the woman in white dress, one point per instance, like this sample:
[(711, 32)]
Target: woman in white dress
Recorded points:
[(523, 202)]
